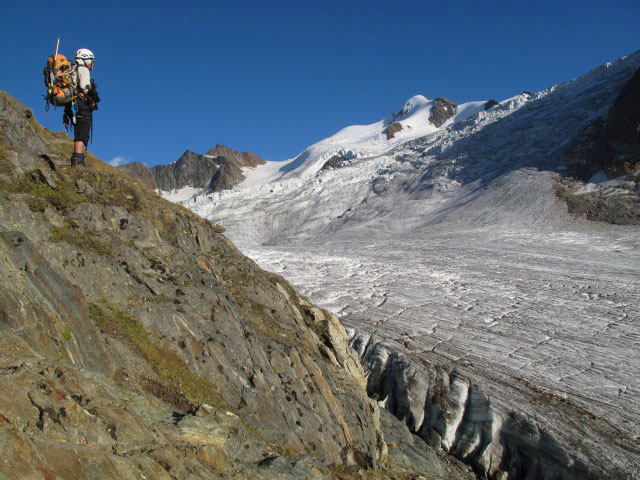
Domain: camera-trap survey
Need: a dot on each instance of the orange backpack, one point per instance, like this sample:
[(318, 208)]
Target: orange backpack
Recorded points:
[(57, 79)]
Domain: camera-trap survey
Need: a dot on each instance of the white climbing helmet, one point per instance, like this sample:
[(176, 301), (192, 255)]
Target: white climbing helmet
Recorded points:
[(83, 55)]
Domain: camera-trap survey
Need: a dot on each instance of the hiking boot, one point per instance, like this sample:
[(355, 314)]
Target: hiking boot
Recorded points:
[(77, 159)]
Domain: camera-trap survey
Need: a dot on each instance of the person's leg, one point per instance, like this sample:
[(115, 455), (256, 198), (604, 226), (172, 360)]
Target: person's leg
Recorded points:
[(81, 130)]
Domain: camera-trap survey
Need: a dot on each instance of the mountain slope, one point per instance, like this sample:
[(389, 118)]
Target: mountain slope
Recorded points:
[(137, 342), (418, 116)]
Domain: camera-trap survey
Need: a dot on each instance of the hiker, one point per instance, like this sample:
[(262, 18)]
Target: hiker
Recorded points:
[(85, 103)]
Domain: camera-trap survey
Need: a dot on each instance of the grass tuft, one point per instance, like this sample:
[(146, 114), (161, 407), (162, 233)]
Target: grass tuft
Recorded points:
[(64, 197), (81, 240), (66, 333), (5, 149), (174, 371)]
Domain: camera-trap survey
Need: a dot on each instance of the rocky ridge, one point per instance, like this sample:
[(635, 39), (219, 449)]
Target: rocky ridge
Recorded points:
[(218, 169), (138, 342), (140, 172)]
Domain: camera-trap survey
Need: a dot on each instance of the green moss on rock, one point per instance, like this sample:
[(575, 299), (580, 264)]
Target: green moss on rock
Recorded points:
[(81, 240), (174, 371), (66, 333)]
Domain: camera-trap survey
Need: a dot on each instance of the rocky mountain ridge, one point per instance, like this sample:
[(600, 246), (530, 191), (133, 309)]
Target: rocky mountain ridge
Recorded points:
[(140, 172), (218, 169), (137, 342)]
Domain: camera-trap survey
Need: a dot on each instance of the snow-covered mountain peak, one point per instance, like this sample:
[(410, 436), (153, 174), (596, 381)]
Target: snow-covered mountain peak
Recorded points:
[(410, 108), (357, 177), (417, 118)]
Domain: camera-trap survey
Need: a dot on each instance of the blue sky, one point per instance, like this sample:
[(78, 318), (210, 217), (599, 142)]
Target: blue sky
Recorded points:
[(274, 77)]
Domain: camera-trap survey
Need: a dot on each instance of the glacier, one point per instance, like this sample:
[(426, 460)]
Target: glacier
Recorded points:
[(496, 324)]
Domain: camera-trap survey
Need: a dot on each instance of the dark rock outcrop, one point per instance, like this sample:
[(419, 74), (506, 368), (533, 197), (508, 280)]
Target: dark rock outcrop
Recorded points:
[(491, 103), (227, 175), (334, 162), (244, 159), (443, 109), (623, 134), (218, 169), (392, 129), (140, 172), (610, 145), (191, 169)]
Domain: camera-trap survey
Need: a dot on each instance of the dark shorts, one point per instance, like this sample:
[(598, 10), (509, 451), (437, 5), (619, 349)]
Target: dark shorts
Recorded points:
[(82, 128), (82, 131)]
